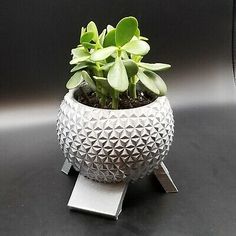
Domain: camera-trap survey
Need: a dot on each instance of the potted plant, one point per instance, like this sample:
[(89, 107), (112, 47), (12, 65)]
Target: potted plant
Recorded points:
[(115, 124)]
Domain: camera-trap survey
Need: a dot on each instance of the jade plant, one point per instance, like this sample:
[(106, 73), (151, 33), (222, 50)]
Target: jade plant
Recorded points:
[(111, 63)]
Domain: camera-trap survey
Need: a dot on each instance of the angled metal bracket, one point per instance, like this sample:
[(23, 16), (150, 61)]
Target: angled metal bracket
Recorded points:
[(66, 167), (165, 179)]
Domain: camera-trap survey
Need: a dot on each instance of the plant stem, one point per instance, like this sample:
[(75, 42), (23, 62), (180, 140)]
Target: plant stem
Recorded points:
[(132, 88), (115, 99), (102, 101), (119, 52), (99, 93)]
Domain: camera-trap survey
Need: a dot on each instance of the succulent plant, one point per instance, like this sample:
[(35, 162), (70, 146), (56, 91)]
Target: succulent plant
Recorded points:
[(111, 62)]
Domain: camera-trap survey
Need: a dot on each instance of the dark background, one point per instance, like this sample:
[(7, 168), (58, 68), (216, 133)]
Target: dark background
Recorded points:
[(195, 37)]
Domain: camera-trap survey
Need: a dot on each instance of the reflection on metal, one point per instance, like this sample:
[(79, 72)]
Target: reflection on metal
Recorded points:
[(99, 198), (106, 198), (165, 179), (66, 167)]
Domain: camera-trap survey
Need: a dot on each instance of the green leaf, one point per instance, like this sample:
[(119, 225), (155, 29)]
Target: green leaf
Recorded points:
[(137, 33), (102, 53), (86, 37), (117, 76), (74, 81), (88, 45), (99, 78), (109, 28), (109, 39), (102, 37), (135, 79), (124, 55), (102, 85), (91, 27), (143, 38), (154, 66), (137, 58), (80, 66), (137, 47), (150, 83), (79, 54), (107, 66), (88, 79), (83, 30), (125, 30), (131, 67), (159, 83)]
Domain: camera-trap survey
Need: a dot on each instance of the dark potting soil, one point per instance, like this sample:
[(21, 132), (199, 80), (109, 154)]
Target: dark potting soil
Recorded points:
[(125, 102)]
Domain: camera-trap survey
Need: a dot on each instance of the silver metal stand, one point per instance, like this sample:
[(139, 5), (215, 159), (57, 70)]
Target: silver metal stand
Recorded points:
[(107, 199), (66, 167), (165, 179), (100, 198)]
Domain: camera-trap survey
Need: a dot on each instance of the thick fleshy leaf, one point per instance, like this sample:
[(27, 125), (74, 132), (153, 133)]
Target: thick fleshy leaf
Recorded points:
[(143, 38), (74, 81), (131, 67), (125, 30), (148, 82), (109, 28), (137, 58), (91, 27), (109, 39), (80, 66), (102, 53), (107, 66), (83, 30), (88, 79), (102, 37), (102, 85), (135, 79), (79, 54), (124, 55), (99, 78), (86, 37), (88, 45), (117, 76), (160, 84), (137, 47), (137, 33), (154, 66)]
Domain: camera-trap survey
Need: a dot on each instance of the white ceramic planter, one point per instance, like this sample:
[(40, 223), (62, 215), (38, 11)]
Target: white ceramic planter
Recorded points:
[(115, 145)]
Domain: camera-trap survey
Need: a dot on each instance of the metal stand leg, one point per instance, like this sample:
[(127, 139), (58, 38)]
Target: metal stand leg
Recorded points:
[(164, 178), (99, 198), (66, 167)]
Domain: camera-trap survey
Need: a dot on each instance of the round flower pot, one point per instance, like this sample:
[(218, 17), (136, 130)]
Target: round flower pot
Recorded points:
[(114, 145)]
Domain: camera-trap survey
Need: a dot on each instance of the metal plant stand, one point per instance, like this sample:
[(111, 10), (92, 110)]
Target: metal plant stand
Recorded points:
[(107, 198)]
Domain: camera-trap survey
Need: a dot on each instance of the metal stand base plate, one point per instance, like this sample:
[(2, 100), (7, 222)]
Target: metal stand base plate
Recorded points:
[(101, 198), (107, 199)]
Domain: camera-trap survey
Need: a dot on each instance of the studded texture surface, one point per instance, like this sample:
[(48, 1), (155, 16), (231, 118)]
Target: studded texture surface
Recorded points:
[(115, 145)]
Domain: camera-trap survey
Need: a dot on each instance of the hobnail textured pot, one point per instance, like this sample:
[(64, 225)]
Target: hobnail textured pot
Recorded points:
[(115, 145)]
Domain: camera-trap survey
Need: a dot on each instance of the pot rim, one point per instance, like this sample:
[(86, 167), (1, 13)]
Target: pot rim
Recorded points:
[(70, 96)]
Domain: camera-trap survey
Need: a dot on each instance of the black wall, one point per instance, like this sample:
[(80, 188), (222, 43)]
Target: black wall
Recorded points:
[(193, 36)]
